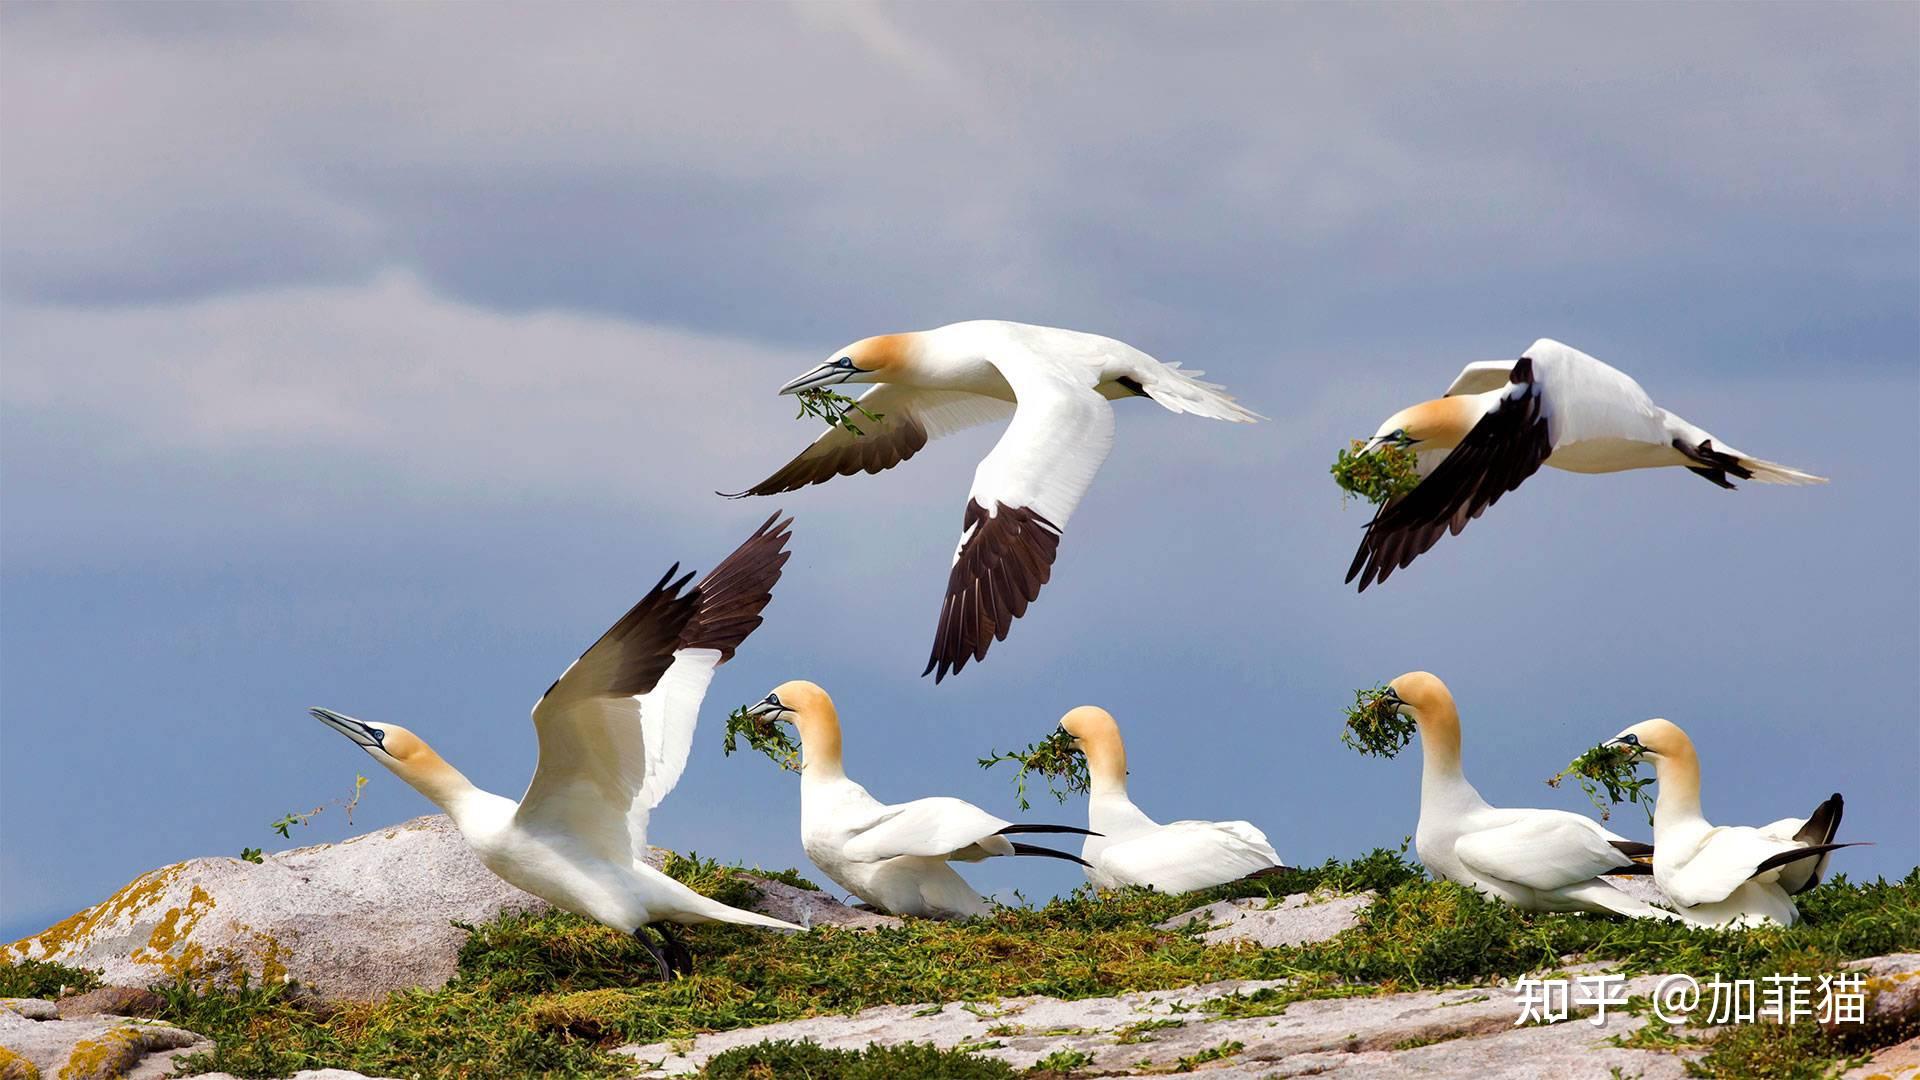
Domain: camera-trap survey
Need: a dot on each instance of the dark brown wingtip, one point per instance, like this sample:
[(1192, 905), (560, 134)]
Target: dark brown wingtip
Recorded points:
[(1006, 558), (732, 596)]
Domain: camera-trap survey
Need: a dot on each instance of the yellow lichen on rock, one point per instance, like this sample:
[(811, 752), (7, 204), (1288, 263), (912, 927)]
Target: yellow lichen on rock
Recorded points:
[(112, 1054), (160, 949), (15, 1067), (73, 933)]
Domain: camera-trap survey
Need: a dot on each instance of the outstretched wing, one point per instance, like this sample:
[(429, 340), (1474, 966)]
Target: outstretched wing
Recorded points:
[(1023, 493), (593, 755), (1543, 850), (1187, 855), (1508, 445), (1480, 377), (909, 419), (731, 599), (933, 828)]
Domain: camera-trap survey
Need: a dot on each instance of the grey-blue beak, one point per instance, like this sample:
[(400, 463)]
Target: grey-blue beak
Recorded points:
[(364, 735), (831, 373), (768, 706)]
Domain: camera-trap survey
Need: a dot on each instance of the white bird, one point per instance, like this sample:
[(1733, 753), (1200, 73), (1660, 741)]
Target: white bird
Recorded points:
[(1055, 384), (614, 729), (893, 856), (1536, 860), (1129, 848), (1726, 875), (1501, 420)]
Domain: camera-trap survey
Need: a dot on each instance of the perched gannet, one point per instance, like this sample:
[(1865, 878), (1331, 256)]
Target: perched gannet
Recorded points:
[(892, 856), (614, 729), (1055, 384), (1129, 848), (1726, 875), (1536, 860), (1500, 421)]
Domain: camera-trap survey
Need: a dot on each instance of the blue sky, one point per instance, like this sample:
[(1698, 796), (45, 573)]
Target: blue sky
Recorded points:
[(378, 357)]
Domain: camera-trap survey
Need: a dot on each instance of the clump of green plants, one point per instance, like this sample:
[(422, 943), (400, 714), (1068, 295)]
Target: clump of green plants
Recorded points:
[(835, 409), (1614, 771), (763, 733), (1387, 471), (44, 979), (1054, 758), (786, 1057), (1375, 725)]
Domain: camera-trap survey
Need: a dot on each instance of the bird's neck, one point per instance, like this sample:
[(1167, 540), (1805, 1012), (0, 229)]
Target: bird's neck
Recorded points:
[(1106, 764), (1439, 742), (820, 745), (1678, 802), (447, 787)]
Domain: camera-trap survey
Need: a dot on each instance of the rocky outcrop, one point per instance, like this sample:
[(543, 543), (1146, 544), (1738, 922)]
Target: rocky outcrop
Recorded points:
[(1234, 1029), (35, 1042), (1300, 919), (357, 919)]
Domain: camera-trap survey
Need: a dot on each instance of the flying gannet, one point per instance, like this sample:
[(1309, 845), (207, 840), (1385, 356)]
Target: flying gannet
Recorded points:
[(893, 856), (1055, 384), (1501, 420), (615, 729), (1536, 860), (1129, 848), (1726, 875)]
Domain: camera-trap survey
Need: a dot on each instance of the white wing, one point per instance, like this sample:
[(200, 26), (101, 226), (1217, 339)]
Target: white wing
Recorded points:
[(1588, 399), (1480, 377), (1023, 493), (909, 419), (1543, 850), (935, 828), (1726, 858), (1186, 855), (593, 756)]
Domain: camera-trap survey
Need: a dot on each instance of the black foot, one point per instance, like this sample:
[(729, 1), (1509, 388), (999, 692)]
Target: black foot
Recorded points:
[(679, 957), (659, 959)]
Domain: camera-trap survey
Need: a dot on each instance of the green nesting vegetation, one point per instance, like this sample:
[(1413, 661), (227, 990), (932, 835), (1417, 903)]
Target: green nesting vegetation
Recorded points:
[(555, 994), (1054, 758), (1613, 770), (1388, 471), (1375, 725), (835, 409), (763, 733)]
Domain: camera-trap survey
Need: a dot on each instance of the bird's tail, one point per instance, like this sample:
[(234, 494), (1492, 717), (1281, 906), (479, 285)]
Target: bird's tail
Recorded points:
[(1768, 472), (1602, 895), (1185, 392), (715, 911)]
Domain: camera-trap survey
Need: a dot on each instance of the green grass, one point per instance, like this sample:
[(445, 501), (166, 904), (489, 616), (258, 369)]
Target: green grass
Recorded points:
[(781, 1059), (554, 993), (40, 979)]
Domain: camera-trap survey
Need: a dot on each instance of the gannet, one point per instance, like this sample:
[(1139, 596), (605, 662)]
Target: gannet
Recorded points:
[(893, 856), (1536, 860), (1501, 420), (1726, 875), (1056, 386), (614, 729), (1129, 848)]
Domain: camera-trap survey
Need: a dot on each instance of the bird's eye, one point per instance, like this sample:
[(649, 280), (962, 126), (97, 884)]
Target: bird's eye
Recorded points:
[(844, 362), (1632, 740), (773, 700)]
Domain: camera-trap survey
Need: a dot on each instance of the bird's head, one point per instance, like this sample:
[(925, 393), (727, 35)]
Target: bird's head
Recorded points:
[(1419, 694), (1089, 723), (1439, 424), (869, 360), (1097, 735), (389, 744), (1654, 740), (810, 711)]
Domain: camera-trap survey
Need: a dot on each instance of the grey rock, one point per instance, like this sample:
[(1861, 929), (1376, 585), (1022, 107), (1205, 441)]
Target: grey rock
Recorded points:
[(111, 1001), (1898, 1062), (92, 1048), (1452, 1032), (1300, 919), (1892, 988), (353, 920), (31, 1008)]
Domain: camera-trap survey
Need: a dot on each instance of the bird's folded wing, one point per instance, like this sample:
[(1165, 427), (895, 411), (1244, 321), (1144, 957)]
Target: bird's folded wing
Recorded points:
[(593, 756), (1724, 860), (933, 828), (1544, 850), (1480, 377), (909, 418), (1023, 493), (1188, 855), (1508, 445)]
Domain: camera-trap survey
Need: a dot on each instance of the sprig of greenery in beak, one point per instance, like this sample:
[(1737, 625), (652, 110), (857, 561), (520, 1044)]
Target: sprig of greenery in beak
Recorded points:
[(1375, 724), (1378, 469), (1057, 758), (759, 724), (1613, 768)]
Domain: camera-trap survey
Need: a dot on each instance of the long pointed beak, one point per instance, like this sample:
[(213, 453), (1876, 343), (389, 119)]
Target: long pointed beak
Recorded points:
[(1375, 443), (362, 735), (824, 375), (769, 706)]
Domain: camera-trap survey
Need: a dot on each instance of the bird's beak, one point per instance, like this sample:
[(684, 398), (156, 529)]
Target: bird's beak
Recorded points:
[(362, 734), (1392, 697), (1622, 744), (768, 706), (825, 375), (1375, 443)]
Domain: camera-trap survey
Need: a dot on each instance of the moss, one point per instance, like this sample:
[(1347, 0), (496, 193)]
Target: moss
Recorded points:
[(782, 1058)]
